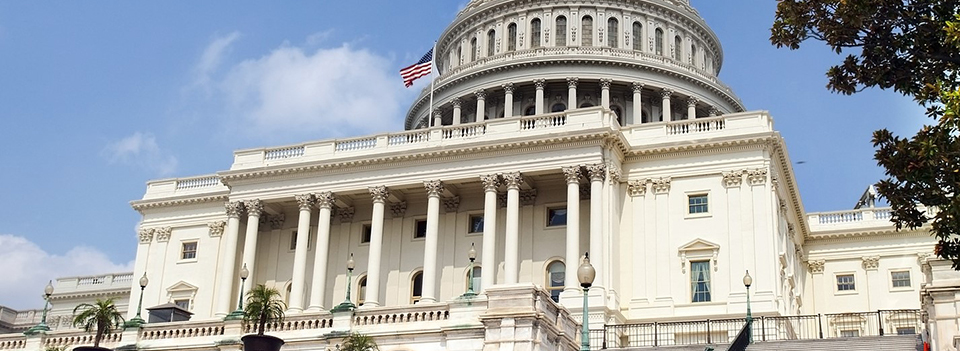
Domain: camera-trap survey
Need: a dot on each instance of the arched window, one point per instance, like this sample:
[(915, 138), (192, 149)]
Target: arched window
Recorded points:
[(458, 60), (530, 111), (637, 36), (512, 37), (535, 33), (587, 33), (477, 271), (491, 42), (678, 48), (473, 49), (659, 41), (561, 36), (286, 299), (613, 33), (587, 104), (644, 117), (361, 290), (416, 290), (556, 274), (558, 107), (693, 55)]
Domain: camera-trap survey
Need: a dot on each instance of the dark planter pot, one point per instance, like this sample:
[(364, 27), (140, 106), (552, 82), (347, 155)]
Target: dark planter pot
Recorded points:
[(255, 342), (90, 348)]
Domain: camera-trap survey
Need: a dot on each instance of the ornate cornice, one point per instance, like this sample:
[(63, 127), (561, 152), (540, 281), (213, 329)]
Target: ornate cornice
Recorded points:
[(141, 205), (733, 179), (304, 201), (871, 263), (324, 199)]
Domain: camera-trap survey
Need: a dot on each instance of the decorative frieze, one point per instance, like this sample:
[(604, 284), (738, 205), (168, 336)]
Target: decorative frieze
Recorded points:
[(733, 179), (528, 197), (637, 187), (379, 193), (451, 204), (434, 188), (146, 235), (304, 201), (346, 214), (254, 207), (216, 228), (233, 208), (597, 172), (661, 185), (398, 209), (871, 263), (816, 266), (163, 234)]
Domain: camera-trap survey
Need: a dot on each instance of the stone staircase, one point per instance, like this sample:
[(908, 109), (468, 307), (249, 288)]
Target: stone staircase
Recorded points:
[(870, 343)]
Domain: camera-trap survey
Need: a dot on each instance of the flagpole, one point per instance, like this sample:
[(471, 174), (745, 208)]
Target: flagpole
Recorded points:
[(433, 80)]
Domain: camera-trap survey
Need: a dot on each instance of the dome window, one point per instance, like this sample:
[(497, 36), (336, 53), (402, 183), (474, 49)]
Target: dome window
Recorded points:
[(558, 107), (637, 36), (678, 48), (613, 33), (587, 32), (473, 49), (491, 42), (659, 41), (512, 37), (561, 36), (535, 33)]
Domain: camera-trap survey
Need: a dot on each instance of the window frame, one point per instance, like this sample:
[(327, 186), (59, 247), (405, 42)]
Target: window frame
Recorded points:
[(293, 241), (586, 34), (536, 33), (361, 290), (893, 280), (363, 228), (693, 281), (477, 281), (512, 32), (414, 298), (658, 42), (470, 227), (637, 28), (697, 194), (186, 300), (837, 283), (613, 33), (183, 251), (548, 278), (560, 37), (416, 228), (548, 210)]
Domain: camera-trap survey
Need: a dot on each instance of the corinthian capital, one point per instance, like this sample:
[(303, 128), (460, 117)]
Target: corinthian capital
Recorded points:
[(540, 83), (490, 182), (571, 174), (481, 94), (597, 171), (637, 87), (605, 83), (146, 235), (304, 201), (216, 228), (456, 102), (324, 199), (572, 82), (434, 187), (163, 234), (508, 87), (379, 193), (254, 207), (666, 93), (234, 208), (513, 180)]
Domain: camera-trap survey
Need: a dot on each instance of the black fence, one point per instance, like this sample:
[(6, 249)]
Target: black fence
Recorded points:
[(722, 331)]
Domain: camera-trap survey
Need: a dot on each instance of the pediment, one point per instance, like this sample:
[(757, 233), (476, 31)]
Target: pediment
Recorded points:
[(699, 245), (182, 286)]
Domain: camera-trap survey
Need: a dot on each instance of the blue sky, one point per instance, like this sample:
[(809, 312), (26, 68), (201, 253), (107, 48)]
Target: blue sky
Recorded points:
[(97, 98)]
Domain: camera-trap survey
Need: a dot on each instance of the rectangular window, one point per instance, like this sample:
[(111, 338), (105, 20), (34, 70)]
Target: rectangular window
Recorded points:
[(556, 217), (900, 279), (846, 282), (421, 229), (476, 224), (698, 204), (184, 304), (365, 234), (188, 251), (700, 281), (906, 331), (293, 241), (849, 333)]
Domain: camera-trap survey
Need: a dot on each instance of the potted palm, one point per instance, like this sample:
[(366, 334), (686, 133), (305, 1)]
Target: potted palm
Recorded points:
[(263, 305), (359, 342), (102, 315)]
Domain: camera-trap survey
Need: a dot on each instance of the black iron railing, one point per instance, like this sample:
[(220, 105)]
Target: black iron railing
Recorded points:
[(721, 331)]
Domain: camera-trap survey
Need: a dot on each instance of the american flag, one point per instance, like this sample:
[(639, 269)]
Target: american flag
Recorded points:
[(417, 70)]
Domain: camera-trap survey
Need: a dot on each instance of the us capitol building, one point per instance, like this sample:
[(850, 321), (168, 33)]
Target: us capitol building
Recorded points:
[(560, 127)]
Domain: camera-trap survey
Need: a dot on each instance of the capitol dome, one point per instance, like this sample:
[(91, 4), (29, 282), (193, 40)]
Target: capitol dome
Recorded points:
[(646, 60)]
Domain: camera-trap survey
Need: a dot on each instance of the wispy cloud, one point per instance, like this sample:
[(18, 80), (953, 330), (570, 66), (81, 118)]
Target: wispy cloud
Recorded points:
[(141, 150), (27, 268), (212, 57)]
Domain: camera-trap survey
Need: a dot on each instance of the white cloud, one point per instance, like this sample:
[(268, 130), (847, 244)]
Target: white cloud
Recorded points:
[(27, 268), (329, 92), (141, 150), (212, 58)]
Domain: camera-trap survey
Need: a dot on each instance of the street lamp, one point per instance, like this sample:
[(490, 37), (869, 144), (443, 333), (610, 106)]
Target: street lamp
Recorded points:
[(586, 274), (472, 254), (138, 321), (42, 327), (238, 314), (747, 281), (347, 305)]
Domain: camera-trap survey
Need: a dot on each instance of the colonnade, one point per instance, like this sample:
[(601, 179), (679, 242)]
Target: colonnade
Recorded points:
[(324, 202)]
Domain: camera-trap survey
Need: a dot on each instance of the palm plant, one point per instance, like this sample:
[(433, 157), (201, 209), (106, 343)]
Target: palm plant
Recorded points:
[(263, 305), (359, 342), (102, 315)]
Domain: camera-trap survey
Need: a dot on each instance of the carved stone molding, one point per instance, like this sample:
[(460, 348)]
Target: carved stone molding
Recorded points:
[(146, 235), (512, 180), (451, 204), (571, 174), (637, 187), (733, 179), (216, 228), (379, 193), (871, 263), (304, 201), (398, 209), (346, 214), (597, 172), (163, 234), (434, 188), (638, 87), (528, 197), (572, 82), (490, 182), (233, 208), (816, 266), (757, 176), (324, 199), (254, 207), (661, 186)]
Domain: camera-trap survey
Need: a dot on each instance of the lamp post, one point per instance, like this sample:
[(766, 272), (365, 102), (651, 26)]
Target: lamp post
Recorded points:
[(472, 254), (747, 281), (586, 274), (42, 327), (138, 321), (347, 305), (238, 314)]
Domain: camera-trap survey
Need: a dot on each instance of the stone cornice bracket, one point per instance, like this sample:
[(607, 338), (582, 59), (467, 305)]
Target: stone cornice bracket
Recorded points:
[(637, 187), (661, 186), (216, 228), (571, 174), (163, 234), (816, 266), (666, 93), (757, 176), (324, 199), (434, 187), (605, 83), (451, 204), (379, 193), (398, 209), (508, 87), (304, 201), (733, 179), (597, 172), (491, 182), (146, 235), (481, 94), (233, 208), (572, 82), (540, 83), (346, 214), (512, 180), (276, 221), (254, 207), (528, 197), (638, 87)]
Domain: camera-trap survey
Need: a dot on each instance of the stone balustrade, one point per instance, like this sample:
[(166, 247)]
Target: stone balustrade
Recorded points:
[(13, 342), (184, 186), (864, 218), (95, 282)]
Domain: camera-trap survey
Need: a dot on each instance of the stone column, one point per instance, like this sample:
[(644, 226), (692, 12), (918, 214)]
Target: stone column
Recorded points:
[(692, 108), (572, 259), (297, 286), (318, 285), (489, 249), (481, 109), (456, 111), (437, 118), (540, 84), (228, 259), (667, 115), (637, 102), (434, 189), (254, 209), (379, 195), (597, 173), (511, 264), (572, 92), (605, 92), (508, 100)]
